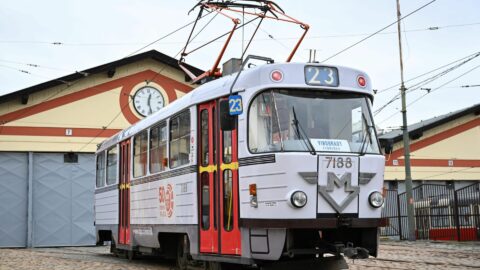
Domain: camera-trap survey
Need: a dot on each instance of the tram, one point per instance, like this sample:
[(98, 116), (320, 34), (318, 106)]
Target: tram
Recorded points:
[(275, 163)]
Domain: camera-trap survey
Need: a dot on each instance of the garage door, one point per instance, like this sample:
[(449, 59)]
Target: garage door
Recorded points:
[(63, 199), (13, 199)]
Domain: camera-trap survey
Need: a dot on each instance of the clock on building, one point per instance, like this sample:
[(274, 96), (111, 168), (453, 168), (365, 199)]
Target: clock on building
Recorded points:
[(147, 100)]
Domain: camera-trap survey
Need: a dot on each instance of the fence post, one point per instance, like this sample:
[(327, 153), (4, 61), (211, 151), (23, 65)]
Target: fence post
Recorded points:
[(456, 214), (399, 217)]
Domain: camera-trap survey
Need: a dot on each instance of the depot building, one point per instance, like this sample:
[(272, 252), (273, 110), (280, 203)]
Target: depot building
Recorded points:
[(48, 136), (445, 151)]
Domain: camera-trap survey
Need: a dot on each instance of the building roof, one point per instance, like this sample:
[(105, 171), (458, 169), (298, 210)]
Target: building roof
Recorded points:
[(108, 67), (416, 130)]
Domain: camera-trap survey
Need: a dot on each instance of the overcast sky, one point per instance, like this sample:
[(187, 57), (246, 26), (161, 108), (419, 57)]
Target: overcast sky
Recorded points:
[(96, 32)]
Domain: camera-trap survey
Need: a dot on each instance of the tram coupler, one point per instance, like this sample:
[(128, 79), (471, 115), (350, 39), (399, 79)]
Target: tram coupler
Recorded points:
[(354, 253)]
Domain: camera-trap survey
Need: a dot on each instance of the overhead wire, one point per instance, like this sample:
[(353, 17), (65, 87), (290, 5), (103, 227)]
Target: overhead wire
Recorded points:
[(431, 91), (167, 35), (378, 31), (69, 84), (58, 43), (393, 87), (424, 82), (450, 172)]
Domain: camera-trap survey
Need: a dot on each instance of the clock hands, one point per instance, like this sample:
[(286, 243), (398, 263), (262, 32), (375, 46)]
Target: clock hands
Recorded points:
[(148, 102)]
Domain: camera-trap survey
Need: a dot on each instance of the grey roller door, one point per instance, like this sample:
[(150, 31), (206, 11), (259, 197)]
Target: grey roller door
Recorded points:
[(63, 195), (13, 199)]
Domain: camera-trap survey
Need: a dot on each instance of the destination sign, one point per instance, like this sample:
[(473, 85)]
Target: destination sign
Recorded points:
[(320, 75)]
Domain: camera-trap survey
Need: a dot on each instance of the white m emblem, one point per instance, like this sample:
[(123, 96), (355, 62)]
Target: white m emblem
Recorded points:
[(344, 180)]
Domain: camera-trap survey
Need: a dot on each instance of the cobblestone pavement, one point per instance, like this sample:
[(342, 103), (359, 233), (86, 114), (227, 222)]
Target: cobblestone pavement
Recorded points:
[(393, 255)]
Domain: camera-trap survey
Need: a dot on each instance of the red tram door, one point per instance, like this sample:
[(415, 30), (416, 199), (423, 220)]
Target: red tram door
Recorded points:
[(124, 194), (218, 184)]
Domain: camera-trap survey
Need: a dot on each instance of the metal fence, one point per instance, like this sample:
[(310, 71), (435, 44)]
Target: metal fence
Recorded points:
[(441, 213)]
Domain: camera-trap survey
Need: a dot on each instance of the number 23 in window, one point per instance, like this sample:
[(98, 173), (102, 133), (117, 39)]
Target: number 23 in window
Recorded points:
[(327, 76)]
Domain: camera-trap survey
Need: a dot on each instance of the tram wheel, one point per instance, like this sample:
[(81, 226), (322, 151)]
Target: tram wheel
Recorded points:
[(113, 248), (183, 253), (131, 255)]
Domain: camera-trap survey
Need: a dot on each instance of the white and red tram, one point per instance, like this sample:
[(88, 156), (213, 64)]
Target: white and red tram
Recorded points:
[(296, 173)]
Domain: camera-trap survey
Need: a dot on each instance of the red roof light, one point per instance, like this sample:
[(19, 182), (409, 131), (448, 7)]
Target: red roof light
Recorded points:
[(362, 82), (276, 76)]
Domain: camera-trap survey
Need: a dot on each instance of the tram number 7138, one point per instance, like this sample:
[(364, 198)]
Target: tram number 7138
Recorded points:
[(339, 162)]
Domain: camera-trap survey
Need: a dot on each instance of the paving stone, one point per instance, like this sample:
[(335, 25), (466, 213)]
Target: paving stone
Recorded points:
[(392, 255)]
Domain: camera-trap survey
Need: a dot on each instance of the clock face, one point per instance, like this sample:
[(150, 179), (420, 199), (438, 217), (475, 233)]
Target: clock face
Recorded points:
[(147, 100)]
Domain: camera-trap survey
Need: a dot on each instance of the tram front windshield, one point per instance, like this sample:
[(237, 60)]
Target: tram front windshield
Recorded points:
[(294, 120)]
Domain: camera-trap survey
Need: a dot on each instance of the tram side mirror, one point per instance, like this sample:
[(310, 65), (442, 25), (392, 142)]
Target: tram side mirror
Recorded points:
[(227, 121)]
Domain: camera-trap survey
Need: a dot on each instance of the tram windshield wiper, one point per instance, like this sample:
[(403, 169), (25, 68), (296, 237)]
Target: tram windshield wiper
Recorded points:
[(363, 148), (301, 133)]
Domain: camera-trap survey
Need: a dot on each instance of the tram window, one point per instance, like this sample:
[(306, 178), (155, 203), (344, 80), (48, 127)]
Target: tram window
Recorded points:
[(140, 154), (101, 169), (158, 148), (228, 200), (205, 185), (205, 137), (112, 166), (333, 122), (227, 146), (180, 139), (214, 135)]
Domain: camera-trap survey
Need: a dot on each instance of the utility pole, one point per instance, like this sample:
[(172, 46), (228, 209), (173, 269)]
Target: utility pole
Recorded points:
[(406, 139)]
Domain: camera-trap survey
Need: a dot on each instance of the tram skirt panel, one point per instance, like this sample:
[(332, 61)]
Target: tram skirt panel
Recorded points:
[(13, 199), (63, 197)]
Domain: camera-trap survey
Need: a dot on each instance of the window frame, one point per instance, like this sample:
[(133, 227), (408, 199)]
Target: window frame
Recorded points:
[(103, 181), (116, 165), (341, 92), (134, 139), (167, 139), (170, 140)]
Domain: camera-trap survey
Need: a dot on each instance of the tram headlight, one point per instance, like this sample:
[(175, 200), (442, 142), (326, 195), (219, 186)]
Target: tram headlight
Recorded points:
[(375, 199), (298, 199)]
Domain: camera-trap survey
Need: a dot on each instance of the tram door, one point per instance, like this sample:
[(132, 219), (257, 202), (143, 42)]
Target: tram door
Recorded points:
[(124, 194), (218, 184)]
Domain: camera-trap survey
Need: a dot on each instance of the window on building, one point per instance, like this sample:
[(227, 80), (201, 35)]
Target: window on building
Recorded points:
[(101, 169), (158, 148), (70, 158), (112, 165), (464, 213), (140, 142), (440, 217), (180, 139), (450, 184), (393, 185)]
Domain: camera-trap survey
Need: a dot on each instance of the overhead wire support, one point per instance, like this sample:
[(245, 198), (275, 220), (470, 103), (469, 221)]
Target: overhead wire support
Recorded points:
[(261, 9)]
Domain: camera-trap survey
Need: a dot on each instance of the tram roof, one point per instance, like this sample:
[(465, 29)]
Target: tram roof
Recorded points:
[(256, 78)]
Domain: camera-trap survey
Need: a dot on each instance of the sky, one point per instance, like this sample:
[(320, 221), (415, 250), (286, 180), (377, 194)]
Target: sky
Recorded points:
[(93, 33)]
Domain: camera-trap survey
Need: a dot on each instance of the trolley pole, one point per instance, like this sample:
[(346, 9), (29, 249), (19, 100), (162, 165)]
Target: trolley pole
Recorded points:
[(406, 139)]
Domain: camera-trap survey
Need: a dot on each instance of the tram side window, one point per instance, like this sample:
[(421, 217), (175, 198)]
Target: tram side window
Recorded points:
[(205, 187), (158, 148), (180, 139), (112, 166), (228, 217), (140, 154), (101, 169)]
